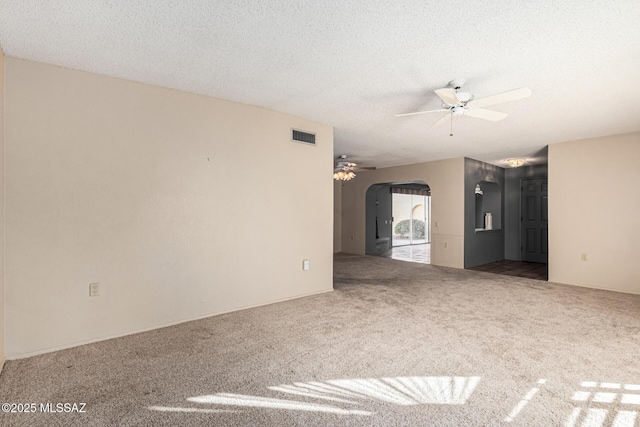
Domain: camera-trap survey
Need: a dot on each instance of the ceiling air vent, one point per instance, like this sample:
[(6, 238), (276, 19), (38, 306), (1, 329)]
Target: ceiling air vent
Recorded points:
[(304, 137)]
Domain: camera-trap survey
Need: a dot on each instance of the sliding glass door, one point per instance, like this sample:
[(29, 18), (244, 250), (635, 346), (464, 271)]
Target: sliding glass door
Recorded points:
[(411, 224)]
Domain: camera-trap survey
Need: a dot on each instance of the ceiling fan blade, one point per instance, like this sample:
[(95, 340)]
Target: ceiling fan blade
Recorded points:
[(512, 95), (482, 113), (442, 121), (448, 95), (365, 168), (420, 112)]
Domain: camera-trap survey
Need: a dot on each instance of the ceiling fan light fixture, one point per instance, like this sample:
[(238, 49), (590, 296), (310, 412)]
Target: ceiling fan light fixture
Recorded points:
[(457, 111), (343, 175), (515, 163)]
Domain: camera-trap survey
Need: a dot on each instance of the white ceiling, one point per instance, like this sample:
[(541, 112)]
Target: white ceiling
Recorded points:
[(355, 64)]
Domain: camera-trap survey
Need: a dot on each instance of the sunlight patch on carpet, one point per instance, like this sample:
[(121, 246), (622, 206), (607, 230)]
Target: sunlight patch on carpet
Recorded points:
[(398, 390), (266, 402), (526, 399), (412, 390), (401, 391), (596, 403), (198, 410)]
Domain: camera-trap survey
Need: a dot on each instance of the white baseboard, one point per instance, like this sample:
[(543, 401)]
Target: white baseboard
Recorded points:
[(160, 326)]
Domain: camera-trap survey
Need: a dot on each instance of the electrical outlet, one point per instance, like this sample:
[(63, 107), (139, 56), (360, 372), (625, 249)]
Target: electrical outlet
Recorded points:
[(305, 264), (94, 289), (583, 257), (446, 245), (437, 224)]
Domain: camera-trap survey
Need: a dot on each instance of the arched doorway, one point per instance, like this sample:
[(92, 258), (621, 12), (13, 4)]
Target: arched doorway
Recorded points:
[(398, 221)]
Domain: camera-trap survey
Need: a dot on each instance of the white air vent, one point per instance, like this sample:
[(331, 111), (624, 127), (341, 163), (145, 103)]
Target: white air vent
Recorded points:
[(304, 137)]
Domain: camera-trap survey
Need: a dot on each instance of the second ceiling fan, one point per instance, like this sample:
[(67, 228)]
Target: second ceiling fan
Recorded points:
[(457, 103)]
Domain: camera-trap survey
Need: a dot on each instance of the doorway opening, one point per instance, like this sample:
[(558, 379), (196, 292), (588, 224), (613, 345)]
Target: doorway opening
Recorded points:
[(399, 221), (410, 219)]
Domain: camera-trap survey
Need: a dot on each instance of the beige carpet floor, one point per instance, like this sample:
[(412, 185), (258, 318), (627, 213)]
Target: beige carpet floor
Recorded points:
[(395, 344)]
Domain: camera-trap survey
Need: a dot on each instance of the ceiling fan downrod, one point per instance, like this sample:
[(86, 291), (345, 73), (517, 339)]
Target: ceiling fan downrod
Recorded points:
[(451, 133)]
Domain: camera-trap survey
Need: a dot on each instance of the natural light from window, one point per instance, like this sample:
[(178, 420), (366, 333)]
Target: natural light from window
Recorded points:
[(527, 398), (345, 396), (605, 403)]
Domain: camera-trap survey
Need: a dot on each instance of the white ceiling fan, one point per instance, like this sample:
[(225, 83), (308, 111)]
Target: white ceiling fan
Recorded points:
[(457, 103), (345, 170)]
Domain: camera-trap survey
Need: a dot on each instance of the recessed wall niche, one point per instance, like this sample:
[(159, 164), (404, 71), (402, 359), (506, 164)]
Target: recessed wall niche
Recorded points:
[(488, 201)]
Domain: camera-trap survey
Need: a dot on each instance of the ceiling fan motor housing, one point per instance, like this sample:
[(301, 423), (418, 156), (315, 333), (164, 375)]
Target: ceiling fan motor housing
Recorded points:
[(457, 83), (464, 96)]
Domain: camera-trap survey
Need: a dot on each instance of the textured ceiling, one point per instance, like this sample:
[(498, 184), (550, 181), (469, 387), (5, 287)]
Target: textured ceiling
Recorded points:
[(355, 64)]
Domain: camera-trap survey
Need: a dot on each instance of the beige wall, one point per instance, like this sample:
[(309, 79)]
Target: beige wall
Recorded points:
[(2, 352), (143, 189), (446, 179), (337, 216), (594, 206)]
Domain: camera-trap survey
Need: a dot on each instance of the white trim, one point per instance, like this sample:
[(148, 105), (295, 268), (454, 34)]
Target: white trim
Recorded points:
[(163, 325)]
